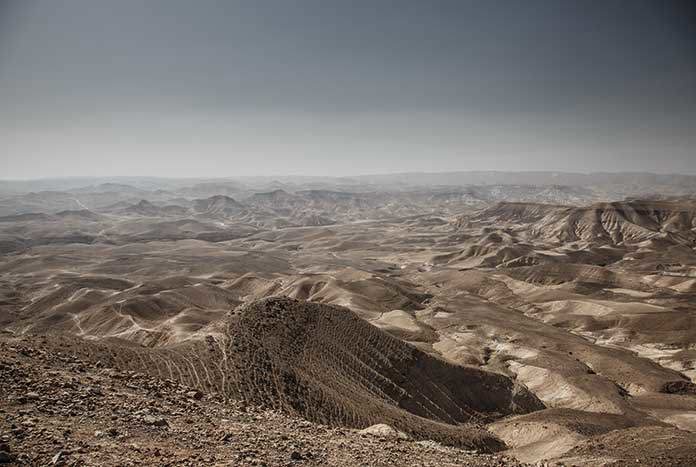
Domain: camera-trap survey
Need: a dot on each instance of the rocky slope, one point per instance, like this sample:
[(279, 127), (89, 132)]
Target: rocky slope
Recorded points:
[(327, 365), (63, 410)]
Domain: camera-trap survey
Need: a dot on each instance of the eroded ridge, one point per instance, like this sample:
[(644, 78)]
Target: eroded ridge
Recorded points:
[(324, 363)]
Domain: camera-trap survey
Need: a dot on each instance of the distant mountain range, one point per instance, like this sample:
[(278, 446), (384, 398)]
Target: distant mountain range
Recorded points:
[(228, 185), (360, 196)]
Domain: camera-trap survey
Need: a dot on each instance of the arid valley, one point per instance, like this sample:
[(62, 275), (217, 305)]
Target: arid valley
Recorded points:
[(456, 319)]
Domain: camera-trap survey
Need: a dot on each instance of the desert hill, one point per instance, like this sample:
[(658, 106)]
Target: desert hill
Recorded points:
[(96, 414), (324, 363), (218, 206), (630, 222)]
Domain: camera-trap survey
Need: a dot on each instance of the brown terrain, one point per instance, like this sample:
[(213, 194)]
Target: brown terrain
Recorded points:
[(268, 322)]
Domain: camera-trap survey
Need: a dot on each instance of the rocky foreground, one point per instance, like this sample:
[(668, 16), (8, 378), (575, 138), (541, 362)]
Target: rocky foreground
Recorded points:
[(57, 409)]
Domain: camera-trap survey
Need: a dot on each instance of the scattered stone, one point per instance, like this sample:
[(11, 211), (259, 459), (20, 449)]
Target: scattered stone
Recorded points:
[(57, 459), (382, 430), (155, 421), (5, 457)]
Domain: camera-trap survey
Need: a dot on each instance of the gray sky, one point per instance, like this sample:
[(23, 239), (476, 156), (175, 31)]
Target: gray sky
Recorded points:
[(328, 87)]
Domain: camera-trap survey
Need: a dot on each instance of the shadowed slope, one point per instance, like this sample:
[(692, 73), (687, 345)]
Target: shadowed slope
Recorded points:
[(337, 355)]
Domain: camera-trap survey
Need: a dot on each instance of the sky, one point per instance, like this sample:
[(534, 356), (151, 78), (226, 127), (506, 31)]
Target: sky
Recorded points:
[(204, 88)]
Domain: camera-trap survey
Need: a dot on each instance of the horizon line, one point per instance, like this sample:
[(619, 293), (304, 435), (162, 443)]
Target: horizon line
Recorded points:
[(363, 175)]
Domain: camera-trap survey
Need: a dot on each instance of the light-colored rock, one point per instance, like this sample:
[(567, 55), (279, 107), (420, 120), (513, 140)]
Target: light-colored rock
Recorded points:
[(382, 430)]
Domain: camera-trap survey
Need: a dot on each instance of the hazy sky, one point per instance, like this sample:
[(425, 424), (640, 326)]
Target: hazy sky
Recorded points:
[(205, 88)]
